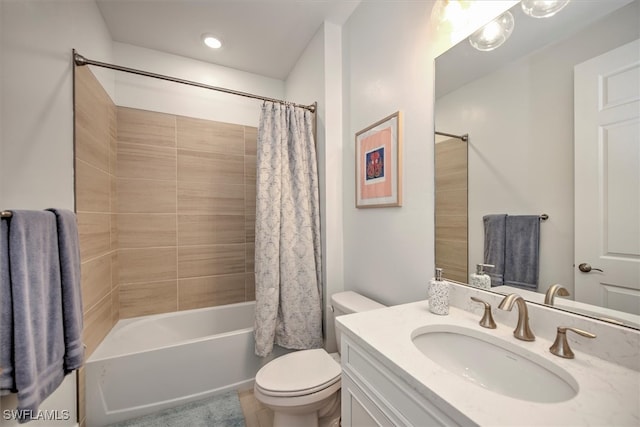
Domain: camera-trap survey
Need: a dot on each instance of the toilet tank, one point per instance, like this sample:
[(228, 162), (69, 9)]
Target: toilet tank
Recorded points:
[(350, 302)]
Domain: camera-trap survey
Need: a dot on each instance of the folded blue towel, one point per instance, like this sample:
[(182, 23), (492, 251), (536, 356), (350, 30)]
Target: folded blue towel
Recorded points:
[(7, 384), (522, 251), (69, 250), (38, 335), (494, 246)]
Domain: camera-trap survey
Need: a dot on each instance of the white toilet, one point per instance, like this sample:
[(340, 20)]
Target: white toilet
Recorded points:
[(303, 388)]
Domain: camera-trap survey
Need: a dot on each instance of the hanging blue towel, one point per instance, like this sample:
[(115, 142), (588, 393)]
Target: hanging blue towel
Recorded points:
[(36, 291), (494, 246), (7, 384), (69, 250), (522, 251)]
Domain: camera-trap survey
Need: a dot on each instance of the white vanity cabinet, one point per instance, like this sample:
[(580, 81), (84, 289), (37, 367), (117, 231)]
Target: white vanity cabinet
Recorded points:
[(373, 396)]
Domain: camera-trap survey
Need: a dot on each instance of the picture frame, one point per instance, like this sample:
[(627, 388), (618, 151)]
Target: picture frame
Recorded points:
[(379, 163)]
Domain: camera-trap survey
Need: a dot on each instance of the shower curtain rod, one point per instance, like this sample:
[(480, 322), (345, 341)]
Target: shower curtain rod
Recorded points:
[(81, 60), (464, 137)]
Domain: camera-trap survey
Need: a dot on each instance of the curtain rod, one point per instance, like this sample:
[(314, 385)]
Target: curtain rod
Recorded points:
[(81, 60), (464, 137)]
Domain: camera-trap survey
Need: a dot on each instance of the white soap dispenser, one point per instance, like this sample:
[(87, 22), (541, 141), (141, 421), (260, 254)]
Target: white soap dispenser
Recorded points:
[(439, 294), (480, 279)]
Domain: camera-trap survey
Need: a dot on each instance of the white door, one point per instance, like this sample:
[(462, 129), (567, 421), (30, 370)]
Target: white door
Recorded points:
[(607, 179)]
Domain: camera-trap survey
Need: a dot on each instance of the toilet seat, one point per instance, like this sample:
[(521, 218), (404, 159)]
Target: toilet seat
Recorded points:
[(297, 374)]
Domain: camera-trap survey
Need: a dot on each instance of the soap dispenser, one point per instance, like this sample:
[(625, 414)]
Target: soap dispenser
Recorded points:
[(439, 294), (480, 279)]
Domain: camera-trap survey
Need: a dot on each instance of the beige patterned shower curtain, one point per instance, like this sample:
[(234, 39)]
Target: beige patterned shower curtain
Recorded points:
[(287, 246)]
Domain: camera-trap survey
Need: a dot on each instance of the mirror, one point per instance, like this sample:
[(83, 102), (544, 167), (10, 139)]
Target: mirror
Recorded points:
[(516, 104)]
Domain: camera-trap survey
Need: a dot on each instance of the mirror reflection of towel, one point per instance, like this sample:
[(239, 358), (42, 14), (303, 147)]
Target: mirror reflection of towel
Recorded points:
[(522, 251), (512, 244), (494, 242)]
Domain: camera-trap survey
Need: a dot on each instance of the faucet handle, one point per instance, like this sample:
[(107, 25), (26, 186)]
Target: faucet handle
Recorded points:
[(487, 319), (561, 347)]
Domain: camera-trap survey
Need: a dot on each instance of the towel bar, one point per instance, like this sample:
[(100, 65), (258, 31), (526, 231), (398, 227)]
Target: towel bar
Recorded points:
[(6, 214)]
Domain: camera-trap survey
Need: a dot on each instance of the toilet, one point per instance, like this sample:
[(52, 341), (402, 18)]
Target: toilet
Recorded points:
[(303, 388)]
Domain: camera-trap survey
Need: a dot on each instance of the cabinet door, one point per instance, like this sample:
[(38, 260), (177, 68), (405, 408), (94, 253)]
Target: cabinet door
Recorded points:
[(357, 409)]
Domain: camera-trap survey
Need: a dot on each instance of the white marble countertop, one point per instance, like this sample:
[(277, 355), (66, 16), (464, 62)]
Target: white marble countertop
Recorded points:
[(609, 394)]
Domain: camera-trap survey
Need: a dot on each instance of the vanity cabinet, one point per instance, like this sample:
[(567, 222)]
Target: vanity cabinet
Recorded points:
[(374, 396)]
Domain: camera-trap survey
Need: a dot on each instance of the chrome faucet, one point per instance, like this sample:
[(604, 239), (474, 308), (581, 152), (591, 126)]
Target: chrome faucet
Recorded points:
[(553, 291), (522, 330)]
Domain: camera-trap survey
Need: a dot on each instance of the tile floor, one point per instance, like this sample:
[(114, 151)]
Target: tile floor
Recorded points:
[(255, 414)]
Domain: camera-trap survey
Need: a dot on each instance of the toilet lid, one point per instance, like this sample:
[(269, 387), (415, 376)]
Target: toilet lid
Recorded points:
[(300, 372)]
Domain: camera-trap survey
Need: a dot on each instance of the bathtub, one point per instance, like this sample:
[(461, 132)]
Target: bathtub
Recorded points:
[(150, 363)]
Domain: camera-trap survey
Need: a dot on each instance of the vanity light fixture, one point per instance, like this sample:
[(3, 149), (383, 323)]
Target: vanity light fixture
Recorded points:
[(494, 34), (542, 8), (211, 41)]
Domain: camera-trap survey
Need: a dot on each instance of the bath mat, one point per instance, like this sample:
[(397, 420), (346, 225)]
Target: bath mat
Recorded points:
[(219, 411)]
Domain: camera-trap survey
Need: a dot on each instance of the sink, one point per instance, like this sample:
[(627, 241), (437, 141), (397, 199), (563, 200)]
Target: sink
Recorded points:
[(495, 364)]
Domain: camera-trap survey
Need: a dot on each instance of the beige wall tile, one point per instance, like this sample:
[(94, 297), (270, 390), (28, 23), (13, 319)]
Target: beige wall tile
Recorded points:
[(146, 127), (250, 286), (146, 196), (452, 202), (93, 188), (113, 138), (250, 140), (250, 228), (210, 167), (146, 265), (250, 253), (451, 256), (142, 299), (146, 162), (451, 227), (250, 199), (115, 267), (91, 147), (210, 291), (113, 231), (94, 234), (210, 229), (195, 261), (115, 305), (206, 135), (250, 170), (198, 198), (97, 323), (96, 280), (146, 230)]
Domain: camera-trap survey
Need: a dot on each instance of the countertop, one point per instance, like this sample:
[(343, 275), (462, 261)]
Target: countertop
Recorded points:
[(609, 394)]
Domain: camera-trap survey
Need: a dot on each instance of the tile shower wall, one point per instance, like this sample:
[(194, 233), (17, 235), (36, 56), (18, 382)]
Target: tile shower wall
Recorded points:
[(185, 213), (96, 202)]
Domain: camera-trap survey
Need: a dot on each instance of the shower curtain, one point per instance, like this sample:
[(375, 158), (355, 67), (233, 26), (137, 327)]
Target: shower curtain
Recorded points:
[(287, 245)]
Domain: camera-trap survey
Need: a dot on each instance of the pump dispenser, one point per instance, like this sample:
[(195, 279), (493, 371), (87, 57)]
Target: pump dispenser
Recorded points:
[(480, 279), (439, 294)]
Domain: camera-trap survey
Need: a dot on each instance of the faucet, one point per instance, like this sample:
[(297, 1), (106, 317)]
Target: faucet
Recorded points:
[(522, 330), (561, 347), (553, 291)]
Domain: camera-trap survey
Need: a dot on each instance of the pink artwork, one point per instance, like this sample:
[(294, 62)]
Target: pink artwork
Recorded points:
[(378, 164)]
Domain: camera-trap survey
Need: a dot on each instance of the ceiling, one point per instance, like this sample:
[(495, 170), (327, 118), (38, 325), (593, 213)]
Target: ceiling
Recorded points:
[(265, 37)]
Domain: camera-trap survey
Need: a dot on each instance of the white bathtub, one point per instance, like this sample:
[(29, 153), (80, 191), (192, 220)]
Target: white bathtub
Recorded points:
[(150, 363)]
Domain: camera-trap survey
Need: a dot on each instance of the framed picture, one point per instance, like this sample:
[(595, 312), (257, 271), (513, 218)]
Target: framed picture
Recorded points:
[(379, 164)]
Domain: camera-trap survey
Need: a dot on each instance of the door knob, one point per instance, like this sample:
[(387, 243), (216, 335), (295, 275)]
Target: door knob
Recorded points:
[(586, 268)]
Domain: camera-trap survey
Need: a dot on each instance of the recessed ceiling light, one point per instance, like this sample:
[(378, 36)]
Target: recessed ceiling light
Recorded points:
[(211, 41), (543, 8)]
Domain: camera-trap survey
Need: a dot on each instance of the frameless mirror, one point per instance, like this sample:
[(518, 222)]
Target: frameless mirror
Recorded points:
[(530, 152)]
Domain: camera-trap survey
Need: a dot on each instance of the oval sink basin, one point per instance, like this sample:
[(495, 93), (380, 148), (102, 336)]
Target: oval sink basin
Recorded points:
[(494, 364)]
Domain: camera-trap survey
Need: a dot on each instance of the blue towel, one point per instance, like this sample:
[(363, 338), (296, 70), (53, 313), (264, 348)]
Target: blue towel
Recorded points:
[(7, 384), (494, 246), (69, 250), (522, 251), (38, 334)]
